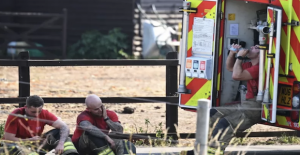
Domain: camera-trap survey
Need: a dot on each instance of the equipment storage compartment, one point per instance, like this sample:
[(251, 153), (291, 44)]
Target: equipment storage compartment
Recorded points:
[(239, 17)]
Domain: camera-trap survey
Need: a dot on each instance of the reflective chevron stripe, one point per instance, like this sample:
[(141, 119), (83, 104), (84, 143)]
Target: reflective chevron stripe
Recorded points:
[(107, 151), (200, 88), (69, 146), (289, 52), (220, 55)]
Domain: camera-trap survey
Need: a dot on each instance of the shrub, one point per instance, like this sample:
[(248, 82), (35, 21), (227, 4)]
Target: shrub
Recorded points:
[(94, 45)]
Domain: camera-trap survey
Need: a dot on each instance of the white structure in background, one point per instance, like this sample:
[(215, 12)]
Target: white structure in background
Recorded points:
[(157, 36), (15, 51), (157, 40)]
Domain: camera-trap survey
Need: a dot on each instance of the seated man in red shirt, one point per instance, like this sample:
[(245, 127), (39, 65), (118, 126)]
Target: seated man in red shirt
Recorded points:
[(93, 125), (30, 126)]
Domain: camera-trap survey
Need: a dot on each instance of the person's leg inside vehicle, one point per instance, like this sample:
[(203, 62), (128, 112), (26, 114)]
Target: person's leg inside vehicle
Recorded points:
[(247, 115), (216, 123)]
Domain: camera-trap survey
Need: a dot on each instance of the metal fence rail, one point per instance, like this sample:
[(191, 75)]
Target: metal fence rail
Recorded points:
[(169, 100), (28, 63)]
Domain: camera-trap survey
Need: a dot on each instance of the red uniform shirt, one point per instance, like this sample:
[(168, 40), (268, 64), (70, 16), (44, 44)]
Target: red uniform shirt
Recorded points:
[(27, 128), (252, 85), (96, 121)]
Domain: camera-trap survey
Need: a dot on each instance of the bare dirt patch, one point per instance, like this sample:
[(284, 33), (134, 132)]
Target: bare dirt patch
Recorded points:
[(106, 82)]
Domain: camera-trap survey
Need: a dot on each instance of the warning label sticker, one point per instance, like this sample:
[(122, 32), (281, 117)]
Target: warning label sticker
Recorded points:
[(188, 63), (202, 65)]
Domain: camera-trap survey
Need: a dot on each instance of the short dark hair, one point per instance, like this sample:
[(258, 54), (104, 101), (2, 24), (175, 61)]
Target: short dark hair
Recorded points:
[(34, 101)]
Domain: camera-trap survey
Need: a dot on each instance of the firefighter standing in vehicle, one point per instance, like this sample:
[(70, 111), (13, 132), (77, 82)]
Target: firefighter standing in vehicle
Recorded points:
[(241, 116), (28, 130), (225, 120), (93, 124)]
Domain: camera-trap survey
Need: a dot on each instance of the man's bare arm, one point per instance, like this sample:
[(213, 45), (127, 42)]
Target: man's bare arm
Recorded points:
[(237, 69), (239, 73), (64, 130), (114, 126), (91, 129), (64, 133), (230, 61)]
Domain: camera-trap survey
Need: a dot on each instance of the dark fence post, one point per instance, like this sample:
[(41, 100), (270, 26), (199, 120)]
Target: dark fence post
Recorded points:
[(171, 89), (24, 77)]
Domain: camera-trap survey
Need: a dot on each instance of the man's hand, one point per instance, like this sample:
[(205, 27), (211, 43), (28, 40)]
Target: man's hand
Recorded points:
[(59, 148), (104, 114), (231, 57), (236, 46), (36, 138), (111, 142)]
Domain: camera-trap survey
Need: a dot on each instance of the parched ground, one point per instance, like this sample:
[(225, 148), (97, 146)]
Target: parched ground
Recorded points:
[(108, 81)]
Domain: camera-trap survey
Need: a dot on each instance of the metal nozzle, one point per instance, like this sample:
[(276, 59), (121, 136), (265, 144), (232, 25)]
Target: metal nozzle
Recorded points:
[(263, 29)]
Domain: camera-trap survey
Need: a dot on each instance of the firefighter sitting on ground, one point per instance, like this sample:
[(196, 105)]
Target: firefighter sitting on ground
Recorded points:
[(225, 120), (28, 130), (93, 125)]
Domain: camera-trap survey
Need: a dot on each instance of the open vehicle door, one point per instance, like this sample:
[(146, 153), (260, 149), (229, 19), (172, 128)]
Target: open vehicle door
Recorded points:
[(200, 51), (271, 93)]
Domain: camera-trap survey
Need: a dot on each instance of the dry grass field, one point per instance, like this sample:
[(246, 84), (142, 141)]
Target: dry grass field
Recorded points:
[(106, 82)]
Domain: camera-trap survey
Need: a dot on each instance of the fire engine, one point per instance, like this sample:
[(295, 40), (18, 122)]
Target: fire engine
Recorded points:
[(210, 27)]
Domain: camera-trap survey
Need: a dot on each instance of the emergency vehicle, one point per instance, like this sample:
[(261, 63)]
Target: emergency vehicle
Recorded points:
[(210, 27)]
